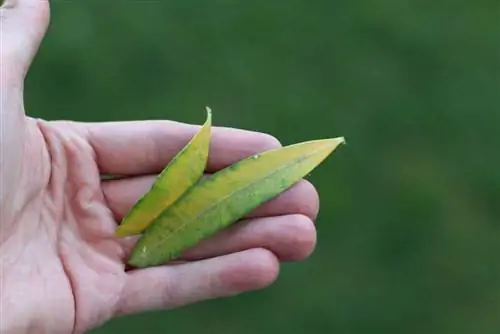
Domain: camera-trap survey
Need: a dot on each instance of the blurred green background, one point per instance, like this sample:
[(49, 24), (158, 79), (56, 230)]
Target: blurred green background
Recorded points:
[(409, 230)]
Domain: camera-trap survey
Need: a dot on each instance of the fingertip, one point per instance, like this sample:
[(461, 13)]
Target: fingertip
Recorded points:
[(270, 142), (290, 237), (254, 269), (311, 202), (304, 238), (303, 199)]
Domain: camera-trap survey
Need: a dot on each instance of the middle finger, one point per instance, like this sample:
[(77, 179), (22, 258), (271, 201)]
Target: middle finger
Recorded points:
[(302, 198)]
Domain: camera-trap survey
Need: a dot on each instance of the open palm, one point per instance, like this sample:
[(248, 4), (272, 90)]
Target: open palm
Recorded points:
[(61, 269)]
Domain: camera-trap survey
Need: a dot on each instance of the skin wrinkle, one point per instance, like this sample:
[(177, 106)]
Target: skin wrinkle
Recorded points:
[(55, 177), (85, 201), (32, 192), (19, 234), (26, 266), (86, 133), (82, 200), (58, 171)]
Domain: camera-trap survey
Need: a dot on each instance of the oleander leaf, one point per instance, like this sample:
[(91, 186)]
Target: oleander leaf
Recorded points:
[(218, 201), (185, 169)]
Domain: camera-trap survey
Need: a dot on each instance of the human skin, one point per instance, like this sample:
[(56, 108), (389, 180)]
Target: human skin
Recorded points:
[(61, 268)]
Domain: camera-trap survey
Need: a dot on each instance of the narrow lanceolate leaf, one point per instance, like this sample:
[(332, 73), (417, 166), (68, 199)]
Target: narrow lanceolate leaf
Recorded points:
[(225, 197), (181, 173)]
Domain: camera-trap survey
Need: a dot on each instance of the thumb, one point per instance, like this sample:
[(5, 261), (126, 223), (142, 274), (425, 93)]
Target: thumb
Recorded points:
[(23, 24)]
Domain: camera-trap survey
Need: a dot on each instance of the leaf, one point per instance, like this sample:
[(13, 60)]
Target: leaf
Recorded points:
[(185, 169), (225, 197)]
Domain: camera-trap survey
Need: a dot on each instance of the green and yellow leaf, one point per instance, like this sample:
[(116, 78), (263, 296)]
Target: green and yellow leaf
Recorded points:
[(185, 169), (225, 197)]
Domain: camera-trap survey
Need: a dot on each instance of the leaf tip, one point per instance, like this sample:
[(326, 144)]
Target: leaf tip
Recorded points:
[(209, 114), (334, 142), (138, 257)]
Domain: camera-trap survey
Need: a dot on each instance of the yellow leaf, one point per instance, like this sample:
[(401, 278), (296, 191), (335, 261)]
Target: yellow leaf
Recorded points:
[(216, 202), (181, 173)]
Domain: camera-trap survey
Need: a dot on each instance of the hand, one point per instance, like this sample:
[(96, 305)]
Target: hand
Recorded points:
[(61, 269)]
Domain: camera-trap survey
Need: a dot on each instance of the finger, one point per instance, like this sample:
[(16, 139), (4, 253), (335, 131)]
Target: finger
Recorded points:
[(289, 237), (23, 25), (146, 147), (302, 198), (174, 286)]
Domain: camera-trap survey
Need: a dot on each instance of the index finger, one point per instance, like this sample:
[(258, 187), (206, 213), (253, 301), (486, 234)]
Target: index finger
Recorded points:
[(144, 147)]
